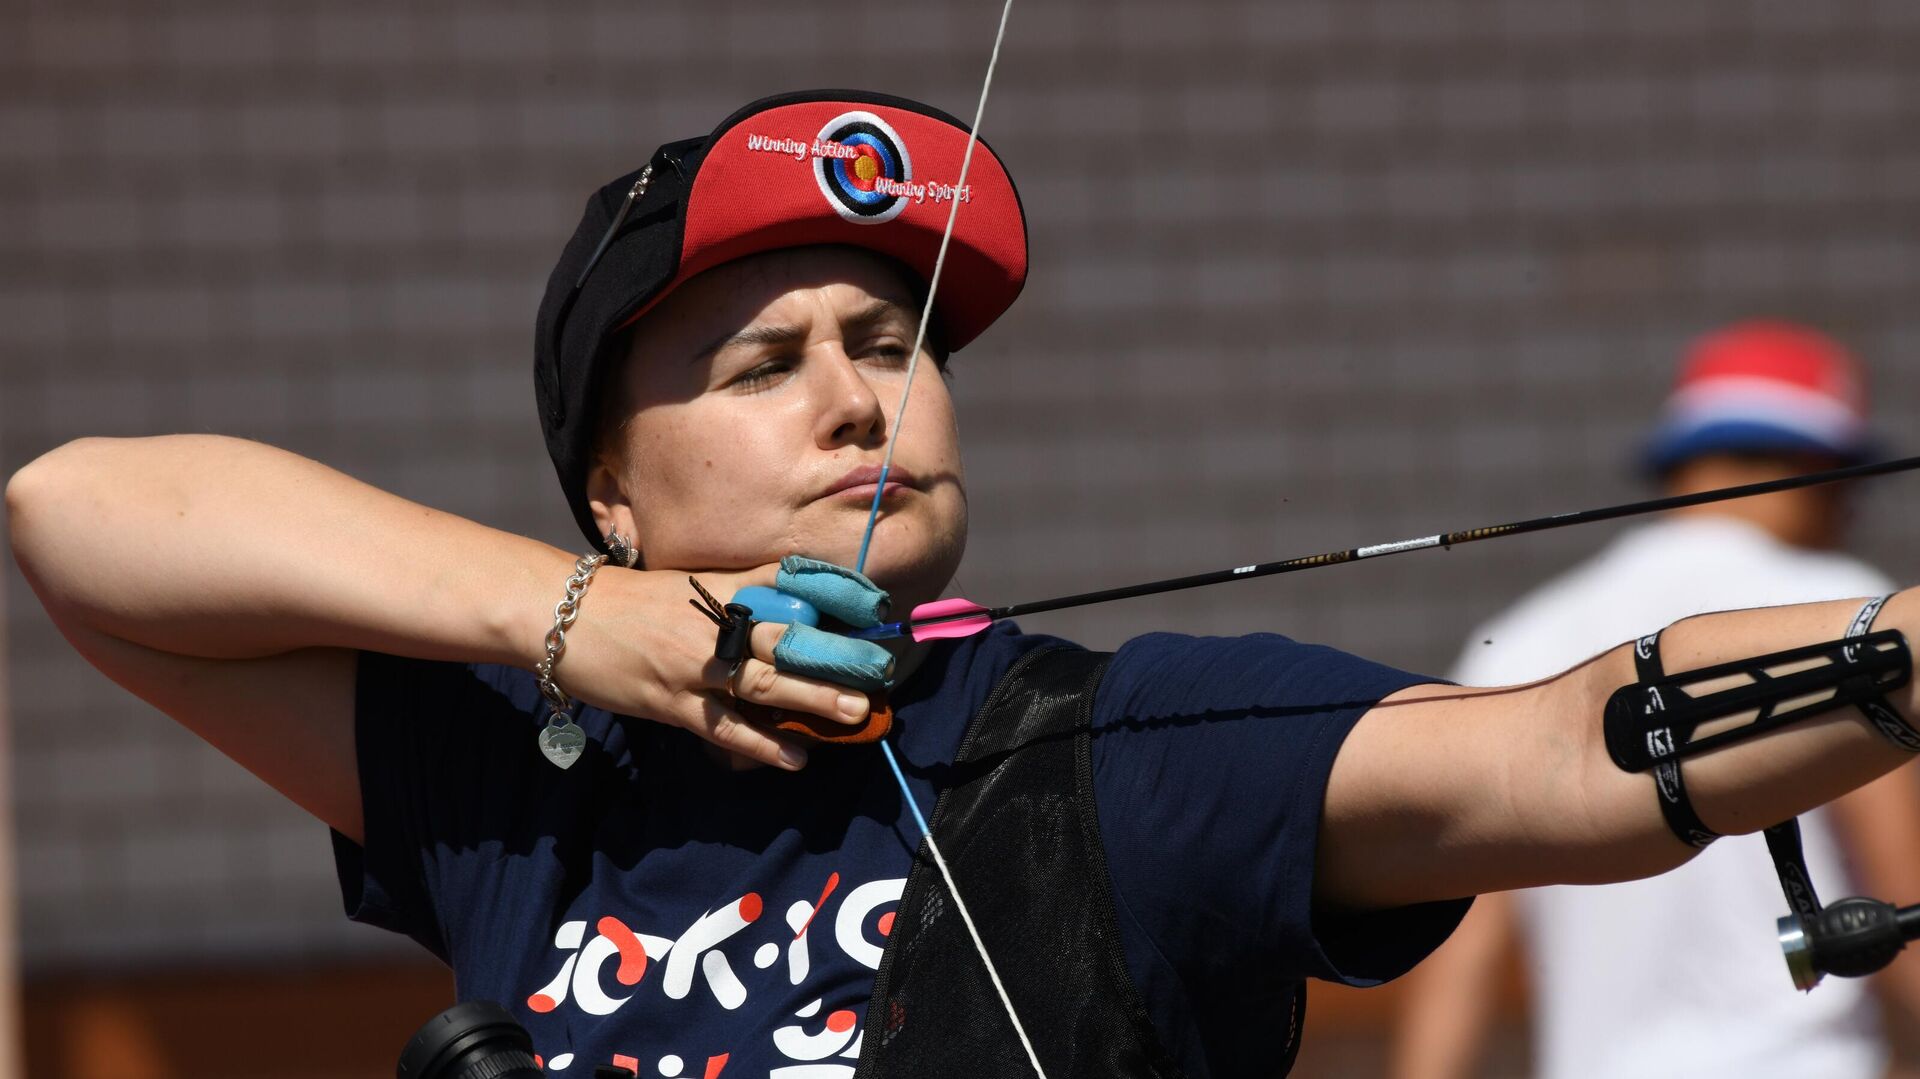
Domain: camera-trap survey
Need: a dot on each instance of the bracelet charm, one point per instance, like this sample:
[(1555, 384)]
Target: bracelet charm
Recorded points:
[(561, 740)]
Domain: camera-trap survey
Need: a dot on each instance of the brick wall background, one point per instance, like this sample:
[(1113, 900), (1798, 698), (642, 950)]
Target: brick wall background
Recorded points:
[(1305, 274)]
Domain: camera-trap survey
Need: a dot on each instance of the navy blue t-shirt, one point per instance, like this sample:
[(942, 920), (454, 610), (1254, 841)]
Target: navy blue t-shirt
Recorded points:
[(653, 909)]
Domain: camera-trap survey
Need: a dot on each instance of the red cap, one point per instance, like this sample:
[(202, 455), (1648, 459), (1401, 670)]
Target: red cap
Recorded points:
[(821, 167), (871, 175)]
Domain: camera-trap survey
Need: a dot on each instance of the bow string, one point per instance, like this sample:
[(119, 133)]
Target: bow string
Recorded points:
[(873, 520)]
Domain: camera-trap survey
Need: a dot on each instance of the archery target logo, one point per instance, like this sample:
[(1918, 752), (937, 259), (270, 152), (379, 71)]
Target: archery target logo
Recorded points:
[(861, 166)]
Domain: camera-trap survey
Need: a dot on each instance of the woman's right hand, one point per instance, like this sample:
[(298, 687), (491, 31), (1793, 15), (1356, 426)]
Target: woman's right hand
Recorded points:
[(639, 648)]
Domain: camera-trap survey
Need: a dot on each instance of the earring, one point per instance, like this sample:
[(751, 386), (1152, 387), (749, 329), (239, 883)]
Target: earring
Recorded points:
[(620, 551)]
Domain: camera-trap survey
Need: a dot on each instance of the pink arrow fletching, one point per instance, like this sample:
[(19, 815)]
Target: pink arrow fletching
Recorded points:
[(942, 608)]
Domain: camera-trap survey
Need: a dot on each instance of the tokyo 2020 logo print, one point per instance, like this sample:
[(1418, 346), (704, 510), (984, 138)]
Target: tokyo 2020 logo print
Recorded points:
[(863, 162)]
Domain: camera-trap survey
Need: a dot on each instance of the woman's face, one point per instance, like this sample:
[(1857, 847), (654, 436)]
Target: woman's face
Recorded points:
[(763, 396)]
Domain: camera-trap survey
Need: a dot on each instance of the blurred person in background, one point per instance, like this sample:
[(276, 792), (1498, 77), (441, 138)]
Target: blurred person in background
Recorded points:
[(1676, 975)]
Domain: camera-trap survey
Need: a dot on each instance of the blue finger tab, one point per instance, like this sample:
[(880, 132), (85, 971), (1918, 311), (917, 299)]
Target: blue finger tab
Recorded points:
[(837, 591), (833, 658), (772, 605)]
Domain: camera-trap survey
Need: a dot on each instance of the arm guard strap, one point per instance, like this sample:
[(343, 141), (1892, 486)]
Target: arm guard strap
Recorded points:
[(1675, 806)]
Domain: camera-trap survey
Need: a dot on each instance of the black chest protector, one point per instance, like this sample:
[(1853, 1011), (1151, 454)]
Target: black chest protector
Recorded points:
[(1017, 825)]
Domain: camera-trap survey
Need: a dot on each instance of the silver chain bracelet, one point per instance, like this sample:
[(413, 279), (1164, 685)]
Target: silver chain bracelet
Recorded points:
[(562, 740)]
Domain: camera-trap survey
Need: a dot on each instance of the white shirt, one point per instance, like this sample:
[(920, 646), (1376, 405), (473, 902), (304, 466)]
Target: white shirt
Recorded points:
[(1680, 975)]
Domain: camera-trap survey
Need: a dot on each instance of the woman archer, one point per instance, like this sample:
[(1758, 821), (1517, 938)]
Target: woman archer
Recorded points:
[(1160, 846)]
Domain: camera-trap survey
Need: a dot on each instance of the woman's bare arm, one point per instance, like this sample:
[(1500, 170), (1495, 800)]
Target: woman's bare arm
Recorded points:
[(1443, 792), (229, 583)]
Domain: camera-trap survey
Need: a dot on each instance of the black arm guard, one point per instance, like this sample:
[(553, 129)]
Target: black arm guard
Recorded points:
[(1650, 722)]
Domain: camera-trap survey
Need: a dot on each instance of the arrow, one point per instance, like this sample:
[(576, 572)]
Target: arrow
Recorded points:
[(961, 617)]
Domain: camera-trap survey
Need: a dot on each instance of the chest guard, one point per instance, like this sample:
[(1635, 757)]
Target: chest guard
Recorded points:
[(1016, 823)]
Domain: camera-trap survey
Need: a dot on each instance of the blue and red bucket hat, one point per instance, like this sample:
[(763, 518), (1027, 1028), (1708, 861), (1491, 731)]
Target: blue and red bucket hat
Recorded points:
[(817, 167), (1768, 387)]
